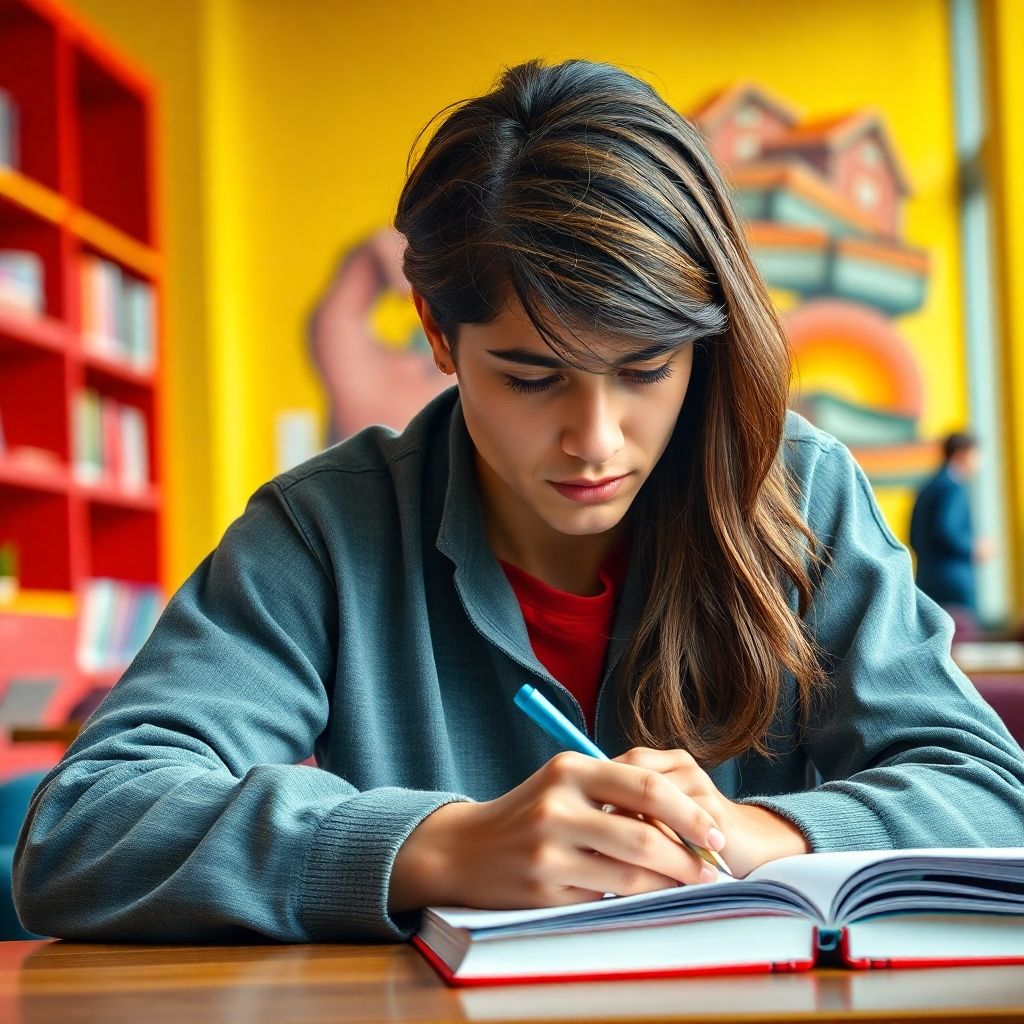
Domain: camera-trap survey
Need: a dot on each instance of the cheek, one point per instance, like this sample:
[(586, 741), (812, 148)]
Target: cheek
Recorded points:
[(654, 426), (506, 437)]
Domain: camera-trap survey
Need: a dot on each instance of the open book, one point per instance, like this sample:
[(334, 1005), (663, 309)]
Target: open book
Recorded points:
[(893, 908)]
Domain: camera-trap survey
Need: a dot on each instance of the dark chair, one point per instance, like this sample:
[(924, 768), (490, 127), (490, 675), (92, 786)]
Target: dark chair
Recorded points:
[(88, 703), (1006, 696), (15, 795)]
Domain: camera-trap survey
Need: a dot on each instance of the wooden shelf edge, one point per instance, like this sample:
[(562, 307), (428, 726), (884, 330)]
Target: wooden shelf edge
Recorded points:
[(53, 480), (33, 196), (122, 371), (116, 244), (58, 604), (40, 331), (105, 494)]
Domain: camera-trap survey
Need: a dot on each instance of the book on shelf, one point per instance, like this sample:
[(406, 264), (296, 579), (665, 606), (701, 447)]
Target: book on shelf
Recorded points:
[(116, 619), (866, 909), (111, 443), (117, 314), (8, 130), (21, 281)]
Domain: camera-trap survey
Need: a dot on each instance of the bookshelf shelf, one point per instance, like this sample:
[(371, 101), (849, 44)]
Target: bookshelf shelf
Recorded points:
[(80, 369), (109, 241), (18, 328), (103, 368), (50, 481), (142, 501), (33, 198)]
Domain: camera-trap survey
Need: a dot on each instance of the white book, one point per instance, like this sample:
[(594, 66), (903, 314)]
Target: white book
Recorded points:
[(8, 130), (140, 330), (134, 449), (893, 908), (95, 598), (87, 439), (21, 281)]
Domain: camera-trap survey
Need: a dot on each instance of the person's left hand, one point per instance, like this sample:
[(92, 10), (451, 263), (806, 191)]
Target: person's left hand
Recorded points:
[(753, 835)]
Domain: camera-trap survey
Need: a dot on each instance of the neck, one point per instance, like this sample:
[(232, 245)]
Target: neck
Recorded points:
[(517, 535)]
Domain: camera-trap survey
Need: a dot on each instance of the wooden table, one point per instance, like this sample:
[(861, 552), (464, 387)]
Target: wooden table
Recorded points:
[(74, 983)]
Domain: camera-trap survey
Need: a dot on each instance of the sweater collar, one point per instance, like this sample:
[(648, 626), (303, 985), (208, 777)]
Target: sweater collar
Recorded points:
[(480, 582), (485, 592)]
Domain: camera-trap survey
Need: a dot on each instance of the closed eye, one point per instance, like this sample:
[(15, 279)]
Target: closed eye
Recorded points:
[(533, 387)]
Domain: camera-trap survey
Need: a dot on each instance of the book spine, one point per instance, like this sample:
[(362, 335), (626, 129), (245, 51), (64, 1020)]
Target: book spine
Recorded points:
[(87, 283), (124, 614), (106, 597), (150, 601), (111, 451), (21, 281), (88, 656), (86, 441), (135, 445), (9, 156)]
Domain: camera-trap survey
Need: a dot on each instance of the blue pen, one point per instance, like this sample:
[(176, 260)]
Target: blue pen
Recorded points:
[(530, 700)]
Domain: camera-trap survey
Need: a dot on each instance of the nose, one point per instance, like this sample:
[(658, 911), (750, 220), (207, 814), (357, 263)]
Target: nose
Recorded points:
[(593, 429)]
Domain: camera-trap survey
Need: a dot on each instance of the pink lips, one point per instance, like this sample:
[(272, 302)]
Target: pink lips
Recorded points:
[(588, 491)]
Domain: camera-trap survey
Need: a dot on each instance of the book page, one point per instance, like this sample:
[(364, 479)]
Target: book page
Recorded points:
[(822, 877), (734, 898)]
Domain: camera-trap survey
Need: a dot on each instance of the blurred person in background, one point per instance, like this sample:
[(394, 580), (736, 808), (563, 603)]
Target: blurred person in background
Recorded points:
[(942, 533)]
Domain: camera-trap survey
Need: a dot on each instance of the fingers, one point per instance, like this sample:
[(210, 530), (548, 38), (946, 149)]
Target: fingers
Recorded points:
[(679, 764), (639, 790), (601, 874), (630, 842)]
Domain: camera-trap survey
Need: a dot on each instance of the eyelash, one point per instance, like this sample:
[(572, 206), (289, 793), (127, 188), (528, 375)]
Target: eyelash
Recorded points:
[(533, 387)]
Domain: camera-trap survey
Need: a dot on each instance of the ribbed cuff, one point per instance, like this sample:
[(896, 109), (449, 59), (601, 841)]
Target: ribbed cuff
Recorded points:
[(344, 890), (830, 819)]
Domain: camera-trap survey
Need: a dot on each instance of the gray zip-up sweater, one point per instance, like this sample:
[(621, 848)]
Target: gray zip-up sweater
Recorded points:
[(355, 611)]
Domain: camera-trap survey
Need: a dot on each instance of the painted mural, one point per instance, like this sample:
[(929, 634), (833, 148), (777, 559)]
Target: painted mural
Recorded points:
[(823, 202), (367, 344)]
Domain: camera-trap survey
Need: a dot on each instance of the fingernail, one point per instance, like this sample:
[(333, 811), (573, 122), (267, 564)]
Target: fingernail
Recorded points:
[(715, 839), (708, 874)]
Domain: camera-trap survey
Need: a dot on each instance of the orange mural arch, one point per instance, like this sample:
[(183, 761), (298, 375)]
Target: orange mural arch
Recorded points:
[(831, 332)]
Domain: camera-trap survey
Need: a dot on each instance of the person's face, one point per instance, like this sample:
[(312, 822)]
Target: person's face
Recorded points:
[(966, 462), (572, 447)]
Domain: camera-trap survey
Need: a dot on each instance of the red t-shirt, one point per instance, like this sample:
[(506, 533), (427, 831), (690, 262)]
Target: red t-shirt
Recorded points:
[(569, 633)]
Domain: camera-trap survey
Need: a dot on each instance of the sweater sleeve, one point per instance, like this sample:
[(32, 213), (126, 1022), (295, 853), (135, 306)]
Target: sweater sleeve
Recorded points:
[(179, 814), (908, 752)]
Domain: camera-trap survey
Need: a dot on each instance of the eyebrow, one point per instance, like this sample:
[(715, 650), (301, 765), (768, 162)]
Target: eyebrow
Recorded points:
[(525, 357)]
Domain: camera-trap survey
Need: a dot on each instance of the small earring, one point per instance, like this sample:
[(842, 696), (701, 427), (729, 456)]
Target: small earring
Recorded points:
[(444, 369)]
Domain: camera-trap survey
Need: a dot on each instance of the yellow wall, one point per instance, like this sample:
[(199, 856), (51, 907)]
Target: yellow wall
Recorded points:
[(1004, 43), (164, 37), (306, 108)]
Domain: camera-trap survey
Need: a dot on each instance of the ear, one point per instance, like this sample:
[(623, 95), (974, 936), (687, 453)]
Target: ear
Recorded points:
[(438, 345)]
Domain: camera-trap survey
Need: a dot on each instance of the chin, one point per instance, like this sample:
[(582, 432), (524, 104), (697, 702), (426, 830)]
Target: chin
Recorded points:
[(587, 522)]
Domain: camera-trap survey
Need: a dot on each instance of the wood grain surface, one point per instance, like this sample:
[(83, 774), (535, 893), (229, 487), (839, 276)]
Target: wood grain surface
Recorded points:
[(52, 982)]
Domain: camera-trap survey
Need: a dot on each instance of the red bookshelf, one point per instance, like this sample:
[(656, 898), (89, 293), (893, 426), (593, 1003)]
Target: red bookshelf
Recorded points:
[(81, 190)]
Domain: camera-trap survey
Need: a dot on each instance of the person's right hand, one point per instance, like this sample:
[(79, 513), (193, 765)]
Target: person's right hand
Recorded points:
[(549, 843)]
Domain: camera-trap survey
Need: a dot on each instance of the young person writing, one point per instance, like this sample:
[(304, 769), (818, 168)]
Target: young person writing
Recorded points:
[(615, 506)]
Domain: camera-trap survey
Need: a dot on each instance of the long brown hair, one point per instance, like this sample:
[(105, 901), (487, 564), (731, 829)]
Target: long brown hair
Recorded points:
[(579, 189)]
